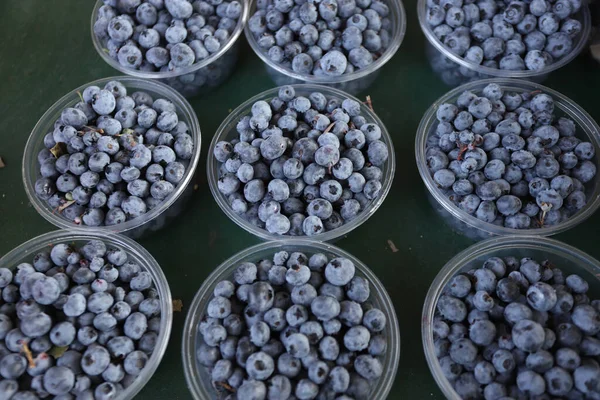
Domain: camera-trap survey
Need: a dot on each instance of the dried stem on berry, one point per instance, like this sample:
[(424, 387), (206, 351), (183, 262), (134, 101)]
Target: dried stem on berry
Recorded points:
[(545, 208), (95, 129), (27, 353), (463, 150), (223, 385), (329, 127), (64, 205), (80, 96)]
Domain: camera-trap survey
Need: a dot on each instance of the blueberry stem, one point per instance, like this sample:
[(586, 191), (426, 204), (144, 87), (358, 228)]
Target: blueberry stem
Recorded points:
[(27, 353), (224, 385), (369, 103)]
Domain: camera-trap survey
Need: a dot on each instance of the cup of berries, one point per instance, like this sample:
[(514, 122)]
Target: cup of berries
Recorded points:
[(511, 39), (509, 157), (515, 317), (82, 315), (301, 160), (116, 154), (342, 44), (292, 318), (190, 46)]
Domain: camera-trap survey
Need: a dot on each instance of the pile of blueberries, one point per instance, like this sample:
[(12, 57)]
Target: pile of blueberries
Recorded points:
[(505, 158), (76, 322), (165, 35), (302, 165), (509, 35), (112, 157), (323, 38), (293, 326), (519, 329)]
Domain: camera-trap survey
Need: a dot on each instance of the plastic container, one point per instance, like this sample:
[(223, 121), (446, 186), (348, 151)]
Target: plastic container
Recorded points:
[(567, 258), (26, 251), (470, 225), (197, 376), (227, 131), (352, 83), (197, 79), (154, 219), (455, 70)]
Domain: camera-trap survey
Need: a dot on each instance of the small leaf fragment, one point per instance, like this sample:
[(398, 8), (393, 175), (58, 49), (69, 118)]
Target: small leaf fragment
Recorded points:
[(177, 305), (59, 149), (57, 351), (2, 165)]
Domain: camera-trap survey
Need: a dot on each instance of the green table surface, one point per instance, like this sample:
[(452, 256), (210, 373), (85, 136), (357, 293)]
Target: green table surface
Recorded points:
[(46, 51)]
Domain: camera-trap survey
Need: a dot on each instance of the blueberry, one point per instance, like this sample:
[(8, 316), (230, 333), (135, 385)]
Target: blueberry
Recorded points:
[(135, 362), (541, 296), (62, 334), (325, 307), (95, 360), (452, 308), (586, 318)]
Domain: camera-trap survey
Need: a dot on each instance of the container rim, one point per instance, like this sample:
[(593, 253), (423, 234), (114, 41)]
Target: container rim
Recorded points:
[(167, 74), (399, 17), (32, 246), (584, 17), (45, 122), (198, 388), (222, 132), (584, 121), (453, 266)]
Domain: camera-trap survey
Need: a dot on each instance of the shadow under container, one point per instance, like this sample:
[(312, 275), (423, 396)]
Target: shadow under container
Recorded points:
[(352, 83), (147, 223), (25, 252), (567, 258), (469, 225), (199, 78), (198, 377), (227, 132), (455, 70)]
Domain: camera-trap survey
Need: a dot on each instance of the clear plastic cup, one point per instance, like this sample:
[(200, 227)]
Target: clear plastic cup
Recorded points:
[(197, 376), (569, 259), (227, 131), (471, 226), (26, 251), (454, 70), (352, 83), (197, 79), (154, 219)]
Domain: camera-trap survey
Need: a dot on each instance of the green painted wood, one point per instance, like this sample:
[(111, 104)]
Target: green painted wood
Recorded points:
[(46, 51)]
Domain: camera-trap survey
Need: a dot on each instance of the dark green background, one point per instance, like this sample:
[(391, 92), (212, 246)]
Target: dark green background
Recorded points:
[(46, 51)]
